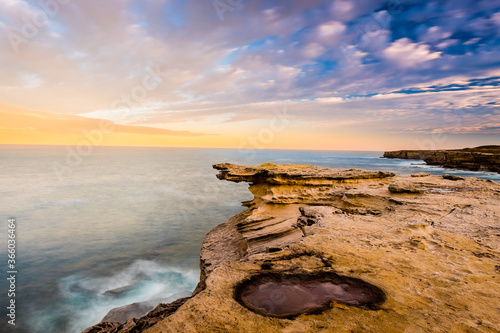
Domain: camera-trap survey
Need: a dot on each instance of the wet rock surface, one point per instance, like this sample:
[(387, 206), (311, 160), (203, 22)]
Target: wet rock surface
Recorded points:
[(136, 325), (139, 309), (453, 177), (289, 295), (434, 255)]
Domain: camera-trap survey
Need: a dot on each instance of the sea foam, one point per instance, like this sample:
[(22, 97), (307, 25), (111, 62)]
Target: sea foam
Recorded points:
[(87, 299)]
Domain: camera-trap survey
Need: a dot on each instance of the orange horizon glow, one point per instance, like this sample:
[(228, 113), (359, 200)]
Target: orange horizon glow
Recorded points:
[(22, 126)]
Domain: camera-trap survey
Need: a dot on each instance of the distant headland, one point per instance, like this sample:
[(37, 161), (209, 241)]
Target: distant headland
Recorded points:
[(483, 158)]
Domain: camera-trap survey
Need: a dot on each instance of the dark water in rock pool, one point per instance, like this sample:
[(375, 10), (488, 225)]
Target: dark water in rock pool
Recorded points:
[(129, 218)]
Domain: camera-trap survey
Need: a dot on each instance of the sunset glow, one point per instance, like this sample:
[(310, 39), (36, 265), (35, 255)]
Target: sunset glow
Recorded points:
[(344, 74)]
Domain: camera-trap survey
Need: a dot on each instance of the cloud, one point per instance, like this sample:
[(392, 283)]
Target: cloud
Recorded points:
[(24, 126), (353, 60), (330, 100), (348, 10), (313, 50), (495, 19), (329, 33), (435, 34), (406, 54), (472, 105), (343, 9)]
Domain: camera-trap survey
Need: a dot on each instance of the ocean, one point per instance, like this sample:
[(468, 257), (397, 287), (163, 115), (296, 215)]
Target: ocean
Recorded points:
[(118, 225)]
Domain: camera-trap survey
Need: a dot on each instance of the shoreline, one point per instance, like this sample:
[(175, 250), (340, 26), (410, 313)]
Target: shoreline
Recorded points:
[(390, 231)]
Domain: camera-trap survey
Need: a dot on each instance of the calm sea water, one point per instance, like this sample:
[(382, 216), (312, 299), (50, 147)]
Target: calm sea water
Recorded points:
[(126, 217)]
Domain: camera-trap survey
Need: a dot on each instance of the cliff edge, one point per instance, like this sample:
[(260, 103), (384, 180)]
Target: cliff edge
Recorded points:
[(321, 250), (484, 158)]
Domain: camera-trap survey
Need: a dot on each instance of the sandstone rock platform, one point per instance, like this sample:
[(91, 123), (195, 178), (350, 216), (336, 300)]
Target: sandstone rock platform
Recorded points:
[(431, 246)]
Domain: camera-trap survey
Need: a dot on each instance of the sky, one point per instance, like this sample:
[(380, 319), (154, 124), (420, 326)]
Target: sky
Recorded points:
[(251, 74)]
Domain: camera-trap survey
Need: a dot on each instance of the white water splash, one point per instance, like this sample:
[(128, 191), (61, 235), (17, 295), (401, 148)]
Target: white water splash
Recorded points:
[(86, 300)]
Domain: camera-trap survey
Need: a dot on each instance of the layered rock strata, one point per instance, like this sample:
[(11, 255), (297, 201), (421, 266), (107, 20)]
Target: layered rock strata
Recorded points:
[(421, 252), (484, 158)]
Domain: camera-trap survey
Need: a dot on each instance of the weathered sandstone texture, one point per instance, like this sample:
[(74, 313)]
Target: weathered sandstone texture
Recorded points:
[(424, 257), (484, 158)]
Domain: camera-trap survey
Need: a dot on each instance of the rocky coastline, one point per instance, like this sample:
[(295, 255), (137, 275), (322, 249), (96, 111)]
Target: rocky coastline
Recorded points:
[(484, 158), (321, 250)]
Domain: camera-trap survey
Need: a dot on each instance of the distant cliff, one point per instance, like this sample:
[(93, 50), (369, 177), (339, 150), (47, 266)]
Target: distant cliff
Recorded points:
[(484, 158)]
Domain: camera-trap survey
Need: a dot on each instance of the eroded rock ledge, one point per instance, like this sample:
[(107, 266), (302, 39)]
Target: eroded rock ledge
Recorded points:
[(484, 158), (270, 173), (380, 252)]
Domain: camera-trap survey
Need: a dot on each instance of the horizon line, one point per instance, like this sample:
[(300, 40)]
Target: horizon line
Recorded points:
[(228, 148)]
